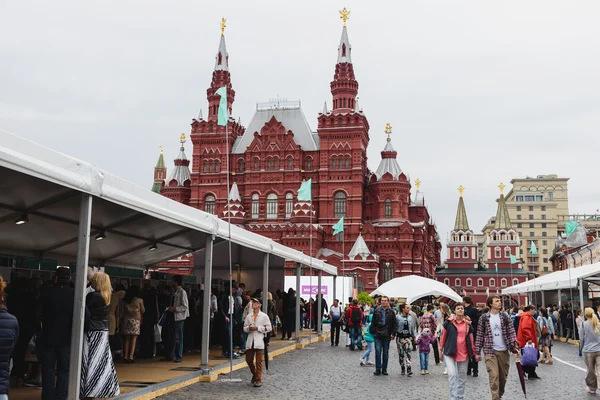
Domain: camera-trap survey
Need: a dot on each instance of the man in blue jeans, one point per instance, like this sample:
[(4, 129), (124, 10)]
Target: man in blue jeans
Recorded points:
[(382, 328), (180, 309), (354, 316)]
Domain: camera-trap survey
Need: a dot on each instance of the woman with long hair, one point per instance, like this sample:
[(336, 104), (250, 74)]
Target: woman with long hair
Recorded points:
[(9, 332), (590, 335), (132, 317), (446, 314), (547, 333), (98, 375)]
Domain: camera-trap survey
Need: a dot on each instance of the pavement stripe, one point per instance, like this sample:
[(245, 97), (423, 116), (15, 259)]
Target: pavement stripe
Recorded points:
[(569, 364)]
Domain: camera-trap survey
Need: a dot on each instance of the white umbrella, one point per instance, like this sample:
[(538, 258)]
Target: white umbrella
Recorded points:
[(414, 287)]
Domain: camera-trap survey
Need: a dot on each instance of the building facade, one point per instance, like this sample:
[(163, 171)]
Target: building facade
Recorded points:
[(483, 269), (387, 232)]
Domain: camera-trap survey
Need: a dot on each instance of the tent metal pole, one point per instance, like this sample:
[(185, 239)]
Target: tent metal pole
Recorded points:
[(205, 345), (334, 285), (581, 296), (543, 298), (265, 296), (319, 316), (559, 299), (297, 324), (83, 254)]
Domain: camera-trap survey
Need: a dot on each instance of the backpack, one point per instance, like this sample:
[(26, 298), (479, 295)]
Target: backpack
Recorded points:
[(404, 331), (516, 321), (355, 316)]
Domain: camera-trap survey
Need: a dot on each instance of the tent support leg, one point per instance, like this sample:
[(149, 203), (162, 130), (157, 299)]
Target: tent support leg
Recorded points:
[(83, 253), (319, 316), (581, 296), (297, 324), (265, 296), (205, 345), (543, 299), (334, 287)]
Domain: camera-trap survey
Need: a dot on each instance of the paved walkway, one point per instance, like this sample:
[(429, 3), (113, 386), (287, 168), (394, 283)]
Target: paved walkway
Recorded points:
[(334, 372)]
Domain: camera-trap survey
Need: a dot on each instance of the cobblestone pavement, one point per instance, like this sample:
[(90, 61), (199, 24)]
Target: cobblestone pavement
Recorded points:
[(327, 371)]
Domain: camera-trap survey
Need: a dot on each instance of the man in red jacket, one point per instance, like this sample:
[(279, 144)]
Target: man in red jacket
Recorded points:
[(354, 316), (528, 335)]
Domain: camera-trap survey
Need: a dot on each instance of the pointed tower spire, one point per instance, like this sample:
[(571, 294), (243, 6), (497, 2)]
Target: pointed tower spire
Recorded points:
[(388, 158), (360, 248), (200, 118), (221, 77), (461, 223), (344, 87), (502, 217), (234, 211), (222, 58), (181, 172), (324, 108), (160, 172)]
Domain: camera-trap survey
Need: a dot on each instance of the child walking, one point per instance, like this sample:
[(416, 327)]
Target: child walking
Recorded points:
[(364, 360), (423, 341)]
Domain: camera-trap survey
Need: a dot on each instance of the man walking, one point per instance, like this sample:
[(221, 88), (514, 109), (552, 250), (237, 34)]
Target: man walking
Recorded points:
[(496, 337), (382, 328), (256, 325), (473, 314), (57, 320), (335, 315), (405, 337), (528, 335), (354, 316), (428, 322), (181, 311)]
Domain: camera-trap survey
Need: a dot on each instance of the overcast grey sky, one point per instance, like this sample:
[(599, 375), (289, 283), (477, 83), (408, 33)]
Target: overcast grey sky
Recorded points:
[(477, 92)]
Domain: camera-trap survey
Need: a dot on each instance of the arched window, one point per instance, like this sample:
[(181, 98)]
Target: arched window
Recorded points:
[(479, 282), (347, 162), (333, 163), (497, 252), (457, 282), (492, 282), (340, 122), (469, 282), (276, 163), (507, 252), (211, 166), (269, 164), (388, 271), (255, 205), (515, 281), (272, 206), (217, 166), (289, 205), (339, 205), (309, 164), (503, 282), (205, 169), (209, 204), (256, 162), (241, 165), (388, 208), (465, 252), (290, 163), (446, 281), (456, 252)]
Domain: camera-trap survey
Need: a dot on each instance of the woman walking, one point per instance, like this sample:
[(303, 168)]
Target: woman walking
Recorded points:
[(458, 347), (98, 375), (364, 360), (547, 333), (132, 317), (9, 332), (445, 315), (590, 335)]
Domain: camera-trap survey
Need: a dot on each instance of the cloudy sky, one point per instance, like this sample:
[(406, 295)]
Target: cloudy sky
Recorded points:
[(477, 92)]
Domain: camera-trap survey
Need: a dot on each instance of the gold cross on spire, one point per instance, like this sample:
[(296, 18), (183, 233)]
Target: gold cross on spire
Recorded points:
[(182, 138), (223, 26), (418, 184), (461, 189), (501, 186), (161, 149), (344, 15), (388, 129)]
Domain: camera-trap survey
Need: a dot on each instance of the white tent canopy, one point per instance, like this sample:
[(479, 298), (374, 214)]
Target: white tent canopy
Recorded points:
[(565, 279), (414, 287)]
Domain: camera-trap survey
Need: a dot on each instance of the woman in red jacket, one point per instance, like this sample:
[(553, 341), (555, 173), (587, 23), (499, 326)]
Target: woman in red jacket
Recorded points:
[(528, 335)]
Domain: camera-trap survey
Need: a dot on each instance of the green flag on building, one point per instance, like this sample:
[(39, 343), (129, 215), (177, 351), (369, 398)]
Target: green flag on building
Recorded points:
[(570, 226), (338, 227), (223, 111), (513, 259), (533, 249), (496, 267), (305, 191)]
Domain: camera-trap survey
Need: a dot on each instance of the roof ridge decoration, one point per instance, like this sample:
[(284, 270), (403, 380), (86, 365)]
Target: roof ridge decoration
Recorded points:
[(461, 223), (502, 217), (344, 50)]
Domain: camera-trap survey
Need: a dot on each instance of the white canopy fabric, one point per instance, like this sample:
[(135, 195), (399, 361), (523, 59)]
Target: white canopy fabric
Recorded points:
[(565, 279), (414, 287)]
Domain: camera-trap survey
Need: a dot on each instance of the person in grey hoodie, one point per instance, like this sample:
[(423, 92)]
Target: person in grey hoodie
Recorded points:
[(406, 329), (590, 335)]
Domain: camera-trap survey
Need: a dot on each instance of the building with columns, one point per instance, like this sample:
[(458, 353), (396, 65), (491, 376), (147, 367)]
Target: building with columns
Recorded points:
[(481, 276), (387, 232)]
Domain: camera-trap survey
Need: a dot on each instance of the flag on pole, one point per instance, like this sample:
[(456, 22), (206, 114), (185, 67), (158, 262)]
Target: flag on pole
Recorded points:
[(305, 191), (513, 259), (533, 249), (496, 267), (570, 226), (223, 111), (487, 291), (338, 227)]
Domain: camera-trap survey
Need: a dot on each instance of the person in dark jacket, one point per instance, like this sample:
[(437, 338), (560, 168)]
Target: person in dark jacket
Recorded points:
[(150, 320), (383, 328), (473, 314), (57, 320), (9, 333)]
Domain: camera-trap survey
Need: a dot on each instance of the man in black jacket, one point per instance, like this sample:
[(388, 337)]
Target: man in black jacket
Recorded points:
[(383, 327), (473, 314), (57, 319)]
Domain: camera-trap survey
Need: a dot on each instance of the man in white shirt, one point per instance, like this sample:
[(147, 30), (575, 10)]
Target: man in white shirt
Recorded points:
[(257, 325), (181, 310), (335, 315)]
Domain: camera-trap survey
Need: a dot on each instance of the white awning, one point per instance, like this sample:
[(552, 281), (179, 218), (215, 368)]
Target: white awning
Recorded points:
[(565, 279), (414, 287)]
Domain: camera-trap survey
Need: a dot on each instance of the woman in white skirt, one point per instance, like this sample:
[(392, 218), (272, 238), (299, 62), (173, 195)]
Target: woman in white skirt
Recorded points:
[(98, 375)]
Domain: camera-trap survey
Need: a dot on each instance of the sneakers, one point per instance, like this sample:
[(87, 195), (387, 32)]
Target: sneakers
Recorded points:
[(377, 372), (369, 363), (32, 383), (257, 384), (587, 389), (384, 372), (362, 362), (403, 371), (475, 374), (409, 373), (422, 372), (426, 372), (445, 371)]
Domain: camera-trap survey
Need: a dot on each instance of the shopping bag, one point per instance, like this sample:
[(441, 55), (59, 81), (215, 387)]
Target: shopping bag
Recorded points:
[(157, 333), (529, 356), (114, 342), (30, 354)]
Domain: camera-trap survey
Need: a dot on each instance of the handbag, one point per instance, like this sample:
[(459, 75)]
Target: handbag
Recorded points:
[(529, 356), (30, 353), (157, 333), (114, 342)]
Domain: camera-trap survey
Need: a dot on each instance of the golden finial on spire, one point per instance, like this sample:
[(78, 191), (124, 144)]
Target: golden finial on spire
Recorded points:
[(223, 26), (418, 184), (182, 138), (161, 148), (461, 189), (501, 186), (344, 15), (388, 129)]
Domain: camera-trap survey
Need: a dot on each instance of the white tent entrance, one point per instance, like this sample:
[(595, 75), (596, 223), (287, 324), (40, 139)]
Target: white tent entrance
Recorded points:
[(415, 287)]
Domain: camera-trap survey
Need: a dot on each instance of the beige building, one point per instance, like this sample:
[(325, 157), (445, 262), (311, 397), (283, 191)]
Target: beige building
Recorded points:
[(537, 207)]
